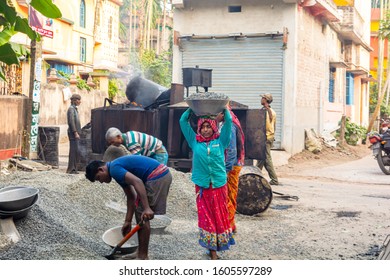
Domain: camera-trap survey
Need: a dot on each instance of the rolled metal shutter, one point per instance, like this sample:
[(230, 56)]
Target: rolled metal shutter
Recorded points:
[(242, 68)]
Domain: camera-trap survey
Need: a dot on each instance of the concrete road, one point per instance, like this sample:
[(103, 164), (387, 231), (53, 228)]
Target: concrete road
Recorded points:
[(365, 170), (345, 206), (354, 184)]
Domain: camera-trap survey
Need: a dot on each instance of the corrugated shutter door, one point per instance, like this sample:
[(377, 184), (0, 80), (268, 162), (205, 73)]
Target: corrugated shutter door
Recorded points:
[(242, 69)]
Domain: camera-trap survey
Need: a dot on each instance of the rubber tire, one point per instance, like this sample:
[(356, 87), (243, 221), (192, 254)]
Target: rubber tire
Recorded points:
[(381, 163)]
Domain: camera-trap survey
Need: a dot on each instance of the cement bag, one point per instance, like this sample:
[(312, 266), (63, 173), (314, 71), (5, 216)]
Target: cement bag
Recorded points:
[(312, 141)]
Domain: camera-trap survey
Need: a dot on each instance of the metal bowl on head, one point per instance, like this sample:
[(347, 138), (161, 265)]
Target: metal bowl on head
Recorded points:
[(114, 235), (207, 107), (17, 198)]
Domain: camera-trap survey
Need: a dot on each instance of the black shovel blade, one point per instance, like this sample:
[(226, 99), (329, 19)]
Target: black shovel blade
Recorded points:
[(111, 256)]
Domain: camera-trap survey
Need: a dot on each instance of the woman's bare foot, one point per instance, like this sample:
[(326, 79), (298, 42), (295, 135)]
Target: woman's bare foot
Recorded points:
[(142, 257), (213, 255)]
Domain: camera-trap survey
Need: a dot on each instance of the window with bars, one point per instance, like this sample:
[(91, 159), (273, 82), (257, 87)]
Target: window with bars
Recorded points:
[(66, 68), (375, 4), (349, 89), (83, 49), (332, 74), (82, 13)]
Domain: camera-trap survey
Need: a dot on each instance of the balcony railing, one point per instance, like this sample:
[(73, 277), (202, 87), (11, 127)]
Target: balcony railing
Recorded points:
[(352, 24)]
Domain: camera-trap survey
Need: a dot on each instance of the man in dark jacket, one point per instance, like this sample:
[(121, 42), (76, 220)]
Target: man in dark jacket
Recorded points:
[(74, 131)]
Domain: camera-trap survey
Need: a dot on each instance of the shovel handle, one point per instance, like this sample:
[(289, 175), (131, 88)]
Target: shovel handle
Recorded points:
[(130, 234), (127, 236)]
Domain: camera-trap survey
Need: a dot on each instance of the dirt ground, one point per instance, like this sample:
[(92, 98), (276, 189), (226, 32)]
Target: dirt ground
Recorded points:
[(345, 201), (329, 156)]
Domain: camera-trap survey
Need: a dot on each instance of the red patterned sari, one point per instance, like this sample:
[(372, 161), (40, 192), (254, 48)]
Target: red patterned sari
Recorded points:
[(215, 232)]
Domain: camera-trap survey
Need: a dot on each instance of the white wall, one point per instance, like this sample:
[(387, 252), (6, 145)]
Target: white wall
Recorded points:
[(204, 17), (364, 9), (311, 45)]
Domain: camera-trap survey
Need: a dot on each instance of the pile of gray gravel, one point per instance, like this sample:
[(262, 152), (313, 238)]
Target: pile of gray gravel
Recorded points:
[(207, 95), (71, 215)]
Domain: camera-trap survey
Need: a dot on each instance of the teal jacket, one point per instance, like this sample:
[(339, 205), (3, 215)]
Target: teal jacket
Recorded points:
[(208, 162)]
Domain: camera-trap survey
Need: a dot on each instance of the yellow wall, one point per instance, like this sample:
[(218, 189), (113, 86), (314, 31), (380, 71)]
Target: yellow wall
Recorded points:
[(374, 25), (67, 33), (349, 3)]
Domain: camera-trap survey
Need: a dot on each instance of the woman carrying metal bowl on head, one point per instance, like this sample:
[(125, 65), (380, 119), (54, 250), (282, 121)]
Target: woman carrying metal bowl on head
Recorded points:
[(210, 179)]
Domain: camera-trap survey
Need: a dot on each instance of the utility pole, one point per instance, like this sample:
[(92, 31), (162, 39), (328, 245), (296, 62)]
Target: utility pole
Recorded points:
[(28, 112), (31, 117), (30, 145)]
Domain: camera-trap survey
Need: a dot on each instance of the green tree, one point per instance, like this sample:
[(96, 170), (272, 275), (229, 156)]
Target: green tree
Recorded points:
[(114, 88), (146, 57), (156, 68), (384, 109), (11, 23)]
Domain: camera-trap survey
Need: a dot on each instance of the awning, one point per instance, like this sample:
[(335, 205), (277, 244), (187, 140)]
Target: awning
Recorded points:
[(60, 59), (109, 68), (369, 78), (322, 8), (338, 64), (44, 51), (357, 70)]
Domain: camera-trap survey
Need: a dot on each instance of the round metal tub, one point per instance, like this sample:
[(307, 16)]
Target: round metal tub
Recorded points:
[(114, 235), (18, 214), (17, 198), (254, 192), (207, 107)]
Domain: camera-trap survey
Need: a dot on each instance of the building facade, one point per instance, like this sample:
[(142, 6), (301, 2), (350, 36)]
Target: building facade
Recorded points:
[(311, 55), (84, 40)]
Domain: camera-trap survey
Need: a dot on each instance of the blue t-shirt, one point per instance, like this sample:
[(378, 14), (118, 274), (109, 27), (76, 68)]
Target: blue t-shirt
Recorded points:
[(140, 166)]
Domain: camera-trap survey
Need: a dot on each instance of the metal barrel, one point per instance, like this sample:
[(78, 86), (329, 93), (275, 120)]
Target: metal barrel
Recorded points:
[(254, 192), (84, 148), (48, 144)]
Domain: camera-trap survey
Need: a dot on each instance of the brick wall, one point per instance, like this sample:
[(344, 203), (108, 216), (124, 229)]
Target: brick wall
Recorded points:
[(53, 107), (312, 58)]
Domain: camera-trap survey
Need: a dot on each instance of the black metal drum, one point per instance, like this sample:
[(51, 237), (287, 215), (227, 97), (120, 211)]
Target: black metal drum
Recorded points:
[(254, 192)]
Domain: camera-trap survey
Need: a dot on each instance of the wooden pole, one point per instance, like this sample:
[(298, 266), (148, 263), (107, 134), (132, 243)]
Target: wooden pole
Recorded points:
[(388, 54), (28, 111), (130, 25), (342, 130), (163, 35), (380, 53)]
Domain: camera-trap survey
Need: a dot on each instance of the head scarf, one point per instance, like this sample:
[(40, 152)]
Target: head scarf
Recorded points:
[(214, 126), (240, 137)]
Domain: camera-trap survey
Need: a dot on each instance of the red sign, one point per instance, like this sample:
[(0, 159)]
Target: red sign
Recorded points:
[(39, 23)]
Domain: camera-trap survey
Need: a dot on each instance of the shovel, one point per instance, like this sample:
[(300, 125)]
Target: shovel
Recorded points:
[(286, 196), (124, 239)]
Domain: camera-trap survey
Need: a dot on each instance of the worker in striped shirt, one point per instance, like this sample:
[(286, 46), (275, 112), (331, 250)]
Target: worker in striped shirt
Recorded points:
[(138, 143)]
